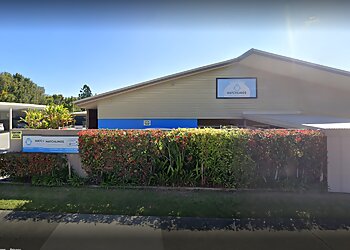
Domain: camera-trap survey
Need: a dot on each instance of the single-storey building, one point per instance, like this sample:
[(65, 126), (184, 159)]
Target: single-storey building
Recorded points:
[(256, 89)]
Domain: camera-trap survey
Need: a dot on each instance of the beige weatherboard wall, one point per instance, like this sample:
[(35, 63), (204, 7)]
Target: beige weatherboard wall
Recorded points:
[(284, 86), (195, 97)]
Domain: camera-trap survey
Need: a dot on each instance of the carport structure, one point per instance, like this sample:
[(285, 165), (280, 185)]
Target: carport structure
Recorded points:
[(10, 114)]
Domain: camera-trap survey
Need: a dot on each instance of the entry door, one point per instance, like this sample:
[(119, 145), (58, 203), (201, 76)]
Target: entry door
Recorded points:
[(92, 118)]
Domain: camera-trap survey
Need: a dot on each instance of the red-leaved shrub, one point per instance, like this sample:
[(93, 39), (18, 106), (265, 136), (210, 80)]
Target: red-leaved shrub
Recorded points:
[(238, 158)]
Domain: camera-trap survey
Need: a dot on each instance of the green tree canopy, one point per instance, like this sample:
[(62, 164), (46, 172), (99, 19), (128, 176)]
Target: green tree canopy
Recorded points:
[(66, 102), (17, 88), (85, 92)]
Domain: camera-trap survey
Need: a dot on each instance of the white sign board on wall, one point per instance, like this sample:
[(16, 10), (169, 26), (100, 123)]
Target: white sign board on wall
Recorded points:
[(50, 144), (236, 88)]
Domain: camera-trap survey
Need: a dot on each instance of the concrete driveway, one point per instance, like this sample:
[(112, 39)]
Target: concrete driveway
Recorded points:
[(19, 231)]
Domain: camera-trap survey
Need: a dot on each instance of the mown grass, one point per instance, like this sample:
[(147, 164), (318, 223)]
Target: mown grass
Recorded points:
[(12, 204), (222, 204)]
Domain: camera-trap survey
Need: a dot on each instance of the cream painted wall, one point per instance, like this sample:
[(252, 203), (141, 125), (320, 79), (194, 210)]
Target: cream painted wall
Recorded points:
[(4, 141), (322, 100), (195, 97), (338, 169)]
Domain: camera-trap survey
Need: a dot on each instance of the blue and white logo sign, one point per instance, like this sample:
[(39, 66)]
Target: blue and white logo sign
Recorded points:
[(28, 141), (50, 144), (236, 88)]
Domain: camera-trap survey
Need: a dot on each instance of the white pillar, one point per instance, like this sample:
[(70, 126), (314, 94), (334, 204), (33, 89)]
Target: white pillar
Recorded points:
[(10, 119)]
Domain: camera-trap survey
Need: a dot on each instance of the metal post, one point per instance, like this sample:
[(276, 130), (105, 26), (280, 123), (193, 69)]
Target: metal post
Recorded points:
[(69, 167), (10, 119), (87, 118)]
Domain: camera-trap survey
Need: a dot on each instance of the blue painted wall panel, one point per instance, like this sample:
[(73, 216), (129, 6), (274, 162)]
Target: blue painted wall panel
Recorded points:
[(139, 123), (50, 150)]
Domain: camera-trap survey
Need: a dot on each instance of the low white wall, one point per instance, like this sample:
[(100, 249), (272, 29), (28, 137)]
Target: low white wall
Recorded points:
[(4, 141), (338, 145)]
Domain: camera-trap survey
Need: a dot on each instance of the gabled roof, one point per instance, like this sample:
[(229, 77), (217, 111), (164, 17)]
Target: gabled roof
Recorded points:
[(210, 67)]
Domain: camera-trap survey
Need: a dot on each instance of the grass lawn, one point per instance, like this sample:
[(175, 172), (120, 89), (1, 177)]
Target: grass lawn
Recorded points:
[(248, 204)]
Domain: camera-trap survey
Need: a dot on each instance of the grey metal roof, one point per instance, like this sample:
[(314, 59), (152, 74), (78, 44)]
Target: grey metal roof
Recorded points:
[(18, 106), (210, 67), (300, 121)]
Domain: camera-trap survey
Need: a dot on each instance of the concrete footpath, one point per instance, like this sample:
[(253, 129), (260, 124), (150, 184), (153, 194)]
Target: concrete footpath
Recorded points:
[(26, 230)]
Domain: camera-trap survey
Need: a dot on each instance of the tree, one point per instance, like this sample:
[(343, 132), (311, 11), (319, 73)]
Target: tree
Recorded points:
[(85, 92), (17, 88), (59, 99), (68, 103)]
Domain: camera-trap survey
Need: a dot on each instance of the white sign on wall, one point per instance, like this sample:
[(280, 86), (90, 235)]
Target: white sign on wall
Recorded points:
[(146, 122), (50, 144), (232, 88)]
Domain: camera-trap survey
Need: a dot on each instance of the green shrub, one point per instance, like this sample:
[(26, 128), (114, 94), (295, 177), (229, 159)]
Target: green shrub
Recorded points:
[(283, 156), (76, 181), (121, 157), (205, 157), (283, 159), (36, 168), (53, 116)]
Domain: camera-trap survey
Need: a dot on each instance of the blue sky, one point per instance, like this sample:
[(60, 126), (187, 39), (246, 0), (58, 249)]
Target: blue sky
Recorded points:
[(62, 46)]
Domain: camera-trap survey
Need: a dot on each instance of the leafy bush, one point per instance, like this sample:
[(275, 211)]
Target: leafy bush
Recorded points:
[(205, 157), (53, 116), (282, 155), (76, 181), (284, 159), (38, 169), (35, 119), (124, 157)]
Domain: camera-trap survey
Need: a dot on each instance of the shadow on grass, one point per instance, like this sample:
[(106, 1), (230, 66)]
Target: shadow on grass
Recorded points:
[(185, 223)]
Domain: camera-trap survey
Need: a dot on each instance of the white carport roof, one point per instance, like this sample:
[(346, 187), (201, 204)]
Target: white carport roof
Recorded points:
[(5, 106), (300, 121)]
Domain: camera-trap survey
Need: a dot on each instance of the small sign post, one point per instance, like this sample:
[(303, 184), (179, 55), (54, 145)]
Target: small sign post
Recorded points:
[(16, 135)]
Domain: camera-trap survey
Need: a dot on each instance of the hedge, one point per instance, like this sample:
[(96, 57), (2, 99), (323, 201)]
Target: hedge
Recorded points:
[(36, 168), (237, 158)]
